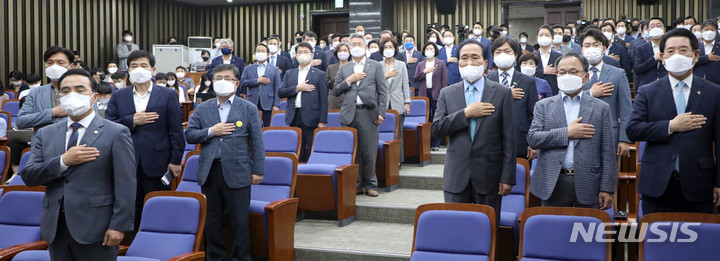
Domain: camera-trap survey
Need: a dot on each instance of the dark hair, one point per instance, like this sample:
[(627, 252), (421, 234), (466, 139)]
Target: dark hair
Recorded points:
[(677, 32), (373, 42), (118, 75), (33, 78), (546, 27), (338, 49), (583, 60), (514, 45), (81, 72), (643, 24), (124, 32), (691, 17), (304, 44), (263, 45), (627, 24), (657, 18), (57, 49), (181, 67), (172, 74), (709, 22), (529, 56), (109, 62), (475, 42), (274, 37), (226, 67), (448, 30), (409, 36), (161, 76), (299, 32), (524, 34), (310, 34), (595, 34), (18, 75), (334, 36), (76, 52), (479, 23), (612, 27), (96, 70), (203, 52), (433, 46), (171, 37), (203, 78), (556, 27), (104, 89), (141, 54), (391, 40), (217, 38)]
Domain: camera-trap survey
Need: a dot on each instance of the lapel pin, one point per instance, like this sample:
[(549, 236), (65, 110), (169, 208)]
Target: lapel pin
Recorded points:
[(698, 92), (238, 124), (96, 132)]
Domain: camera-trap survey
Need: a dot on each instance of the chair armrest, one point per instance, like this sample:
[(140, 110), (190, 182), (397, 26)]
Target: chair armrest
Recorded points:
[(8, 253), (122, 250), (346, 181), (281, 204), (391, 142), (345, 168), (281, 216), (197, 255), (424, 141)]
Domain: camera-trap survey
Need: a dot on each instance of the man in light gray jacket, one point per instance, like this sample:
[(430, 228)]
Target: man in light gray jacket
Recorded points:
[(125, 48)]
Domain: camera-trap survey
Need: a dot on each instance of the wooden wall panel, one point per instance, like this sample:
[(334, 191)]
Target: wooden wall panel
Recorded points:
[(667, 9)]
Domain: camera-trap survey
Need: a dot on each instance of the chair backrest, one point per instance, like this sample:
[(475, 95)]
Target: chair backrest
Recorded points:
[(279, 180), (162, 234), (333, 118), (282, 139), (278, 119), (188, 146), (11, 106), (23, 161), (546, 233), (11, 95), (681, 244), (20, 212), (8, 119), (389, 128), (446, 229), (419, 110), (334, 145), (4, 162), (516, 201), (189, 175), (283, 104)]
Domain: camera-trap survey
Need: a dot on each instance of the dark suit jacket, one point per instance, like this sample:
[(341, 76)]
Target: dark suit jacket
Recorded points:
[(652, 111), (706, 69), (314, 104), (156, 144), (377, 56), (647, 69), (490, 158), (265, 94), (439, 79), (550, 78), (529, 48), (286, 54), (453, 70), (402, 56), (237, 61), (330, 56), (523, 107), (282, 63), (625, 63), (611, 61), (96, 195), (318, 54)]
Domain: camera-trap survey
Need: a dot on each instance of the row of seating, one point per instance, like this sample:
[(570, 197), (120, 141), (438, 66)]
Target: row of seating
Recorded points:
[(9, 111)]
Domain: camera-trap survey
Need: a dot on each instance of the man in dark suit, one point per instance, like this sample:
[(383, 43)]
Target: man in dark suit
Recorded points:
[(448, 53), (227, 47), (476, 34), (648, 60), (330, 53), (306, 89), (319, 60), (87, 165), (679, 166), (153, 115), (617, 48), (708, 65), (525, 95), (546, 69), (275, 58), (378, 56), (479, 110), (365, 88), (411, 57), (260, 83), (232, 158)]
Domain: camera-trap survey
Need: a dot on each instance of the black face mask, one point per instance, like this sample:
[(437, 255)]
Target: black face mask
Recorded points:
[(634, 28), (206, 58), (566, 38), (299, 39)]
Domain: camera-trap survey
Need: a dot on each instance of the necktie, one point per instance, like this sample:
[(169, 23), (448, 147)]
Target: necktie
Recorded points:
[(680, 107), (505, 76), (72, 142), (470, 98), (595, 75), (272, 61)]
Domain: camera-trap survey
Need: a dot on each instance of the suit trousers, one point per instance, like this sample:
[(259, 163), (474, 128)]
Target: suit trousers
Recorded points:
[(564, 194), (368, 137), (434, 142), (469, 195), (266, 115), (145, 185), (64, 247), (673, 200), (222, 199), (307, 136), (401, 121)]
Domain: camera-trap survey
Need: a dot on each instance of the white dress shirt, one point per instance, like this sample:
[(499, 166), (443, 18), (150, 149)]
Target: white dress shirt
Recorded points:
[(656, 49), (141, 101), (302, 75), (358, 68), (428, 77), (545, 58), (709, 47), (227, 61), (510, 73), (675, 90), (448, 51), (84, 123)]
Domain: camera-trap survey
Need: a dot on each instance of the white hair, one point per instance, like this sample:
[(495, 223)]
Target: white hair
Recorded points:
[(228, 41), (357, 35)]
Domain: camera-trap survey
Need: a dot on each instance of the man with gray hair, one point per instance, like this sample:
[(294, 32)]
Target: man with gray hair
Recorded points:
[(363, 108), (378, 56), (227, 47), (573, 128)]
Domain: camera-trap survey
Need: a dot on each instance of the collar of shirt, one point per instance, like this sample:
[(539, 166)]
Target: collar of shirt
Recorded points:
[(263, 65), (225, 60), (688, 82), (149, 90), (479, 85), (566, 98), (228, 102), (85, 122), (361, 63), (709, 46), (306, 69), (510, 72), (599, 66)]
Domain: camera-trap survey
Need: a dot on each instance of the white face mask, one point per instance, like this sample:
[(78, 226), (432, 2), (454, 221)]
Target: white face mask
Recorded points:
[(272, 48), (343, 56), (180, 74), (608, 35), (621, 30), (448, 40), (312, 44), (119, 85), (140, 75), (261, 57), (527, 70), (656, 33), (504, 60), (55, 71), (128, 38), (433, 40), (557, 39), (75, 104), (372, 50), (569, 83), (388, 53), (33, 86), (593, 54), (224, 88), (523, 40), (161, 84), (477, 32), (679, 64), (112, 70), (18, 83), (429, 54), (171, 83), (503, 33), (335, 44), (544, 41), (217, 45), (472, 73), (207, 83), (104, 101), (357, 52), (698, 35), (709, 35)]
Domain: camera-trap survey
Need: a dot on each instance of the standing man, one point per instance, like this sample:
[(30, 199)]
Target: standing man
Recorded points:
[(545, 69), (363, 108), (525, 95), (87, 166), (573, 129), (679, 172), (319, 60), (411, 57), (261, 84), (124, 49), (276, 58), (648, 57), (306, 89), (153, 115), (476, 109), (232, 158), (448, 53), (227, 47), (477, 33)]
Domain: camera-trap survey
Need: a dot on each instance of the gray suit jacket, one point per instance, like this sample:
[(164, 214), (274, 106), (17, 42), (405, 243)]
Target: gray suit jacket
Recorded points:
[(620, 101), (595, 160), (97, 195), (123, 53), (398, 87), (239, 159), (372, 90), (36, 112), (487, 160)]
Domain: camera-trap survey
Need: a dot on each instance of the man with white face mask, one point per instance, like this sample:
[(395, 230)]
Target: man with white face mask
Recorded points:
[(88, 167), (708, 65), (648, 58), (546, 70), (153, 115), (448, 53), (677, 118), (261, 83), (124, 49), (478, 115), (319, 60), (573, 129), (275, 56)]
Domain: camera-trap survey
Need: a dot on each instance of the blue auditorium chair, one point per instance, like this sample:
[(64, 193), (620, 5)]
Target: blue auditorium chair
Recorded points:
[(17, 181), (10, 94), (514, 203), (278, 119), (704, 247), (416, 130), (8, 119), (20, 213), (283, 104), (13, 107), (389, 146), (545, 234), (188, 181), (282, 139), (327, 182), (454, 232), (189, 147), (333, 118), (4, 163)]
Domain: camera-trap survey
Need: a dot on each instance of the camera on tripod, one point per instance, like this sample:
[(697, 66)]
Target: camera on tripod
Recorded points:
[(462, 32), (430, 27)]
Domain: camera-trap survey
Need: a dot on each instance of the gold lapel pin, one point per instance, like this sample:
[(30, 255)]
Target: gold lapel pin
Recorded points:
[(238, 124), (698, 92), (96, 132)]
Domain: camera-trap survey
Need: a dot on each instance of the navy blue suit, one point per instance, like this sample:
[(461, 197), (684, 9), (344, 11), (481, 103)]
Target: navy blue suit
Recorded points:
[(237, 61), (550, 78), (282, 63), (706, 69), (318, 54), (452, 68), (647, 69), (611, 61), (286, 54), (625, 63), (698, 174), (488, 54), (330, 56), (523, 107), (626, 39), (377, 56), (264, 96), (528, 48), (402, 56)]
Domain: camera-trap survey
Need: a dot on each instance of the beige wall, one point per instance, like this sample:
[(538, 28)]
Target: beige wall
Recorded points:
[(667, 9)]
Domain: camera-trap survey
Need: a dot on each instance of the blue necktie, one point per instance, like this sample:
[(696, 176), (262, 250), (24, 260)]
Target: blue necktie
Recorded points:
[(272, 61), (595, 77), (680, 107), (505, 76), (72, 142), (470, 98)]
